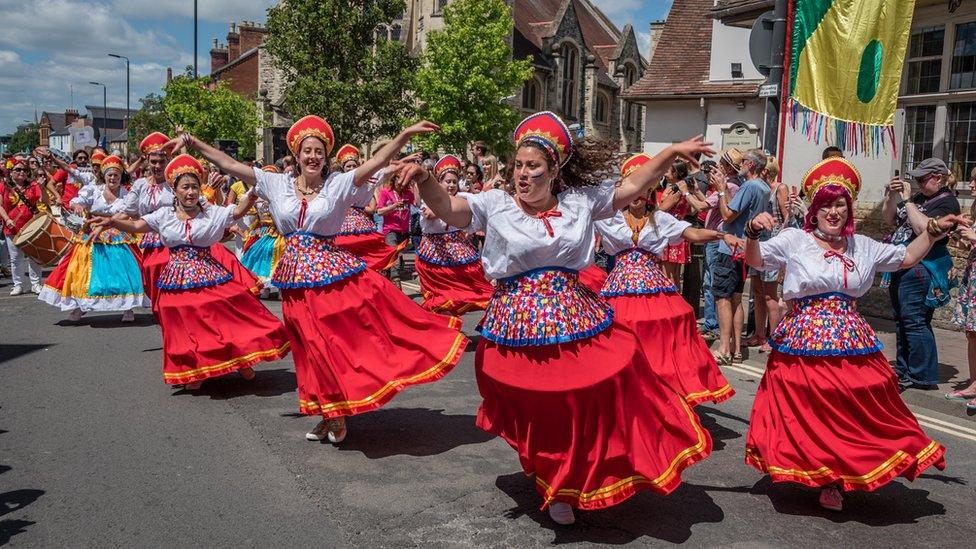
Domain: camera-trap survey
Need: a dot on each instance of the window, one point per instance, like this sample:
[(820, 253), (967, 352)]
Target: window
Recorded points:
[(381, 34), (925, 60), (919, 135), (963, 73), (439, 6), (530, 95), (961, 138), (601, 108), (568, 80), (630, 76), (395, 32)]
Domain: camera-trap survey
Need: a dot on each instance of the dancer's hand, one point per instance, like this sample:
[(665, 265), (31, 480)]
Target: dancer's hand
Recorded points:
[(424, 126), (762, 222), (692, 149)]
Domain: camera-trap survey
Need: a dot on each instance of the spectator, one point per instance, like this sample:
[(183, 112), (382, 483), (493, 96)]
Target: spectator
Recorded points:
[(473, 178), (728, 272), (393, 203), (918, 291), (671, 199), (964, 315), (831, 152), (766, 283), (728, 168), (20, 198)]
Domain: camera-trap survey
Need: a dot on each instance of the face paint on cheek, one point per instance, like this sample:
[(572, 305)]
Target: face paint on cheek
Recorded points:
[(537, 175)]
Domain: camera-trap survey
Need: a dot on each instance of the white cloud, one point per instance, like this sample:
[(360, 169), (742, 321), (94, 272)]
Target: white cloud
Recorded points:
[(219, 11)]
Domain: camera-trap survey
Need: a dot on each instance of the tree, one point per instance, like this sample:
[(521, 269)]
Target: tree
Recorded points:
[(26, 138), (335, 66), (468, 72), (208, 110)]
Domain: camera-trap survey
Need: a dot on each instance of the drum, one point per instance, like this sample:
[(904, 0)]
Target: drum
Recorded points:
[(43, 240)]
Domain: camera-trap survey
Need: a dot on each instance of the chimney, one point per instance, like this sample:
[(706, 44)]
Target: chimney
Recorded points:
[(251, 36), (169, 75), (657, 27), (233, 43), (70, 115), (218, 56)]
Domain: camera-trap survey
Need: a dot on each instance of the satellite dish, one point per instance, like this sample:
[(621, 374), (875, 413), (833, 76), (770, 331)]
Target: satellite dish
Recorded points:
[(761, 42)]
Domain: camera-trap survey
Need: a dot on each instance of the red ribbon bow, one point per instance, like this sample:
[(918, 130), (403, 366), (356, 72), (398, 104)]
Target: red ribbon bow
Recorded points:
[(301, 214), (186, 232), (847, 262), (544, 216)]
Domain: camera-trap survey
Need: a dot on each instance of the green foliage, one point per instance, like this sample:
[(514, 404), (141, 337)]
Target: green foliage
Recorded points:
[(26, 138), (467, 72), (326, 51), (208, 110)]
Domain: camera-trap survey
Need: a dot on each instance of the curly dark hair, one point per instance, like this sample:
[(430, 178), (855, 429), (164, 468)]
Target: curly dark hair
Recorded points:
[(591, 162)]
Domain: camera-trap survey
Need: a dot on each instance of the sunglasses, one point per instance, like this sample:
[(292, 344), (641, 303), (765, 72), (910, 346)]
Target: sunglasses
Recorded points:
[(159, 162)]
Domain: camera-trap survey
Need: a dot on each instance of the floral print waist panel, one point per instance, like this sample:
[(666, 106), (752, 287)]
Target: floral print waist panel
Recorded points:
[(824, 325), (312, 260), (107, 236), (543, 307), (636, 273), (262, 229), (150, 240), (357, 221), (447, 249), (191, 267)]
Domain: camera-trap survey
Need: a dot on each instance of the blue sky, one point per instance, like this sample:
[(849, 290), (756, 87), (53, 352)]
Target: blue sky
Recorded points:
[(51, 49)]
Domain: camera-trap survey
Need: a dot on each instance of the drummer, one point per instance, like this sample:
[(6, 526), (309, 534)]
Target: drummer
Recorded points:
[(20, 198)]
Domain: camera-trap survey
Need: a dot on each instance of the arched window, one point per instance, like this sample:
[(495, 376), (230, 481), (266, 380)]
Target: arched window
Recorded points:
[(395, 31), (568, 77), (439, 6), (381, 33), (630, 76), (530, 95), (601, 108)]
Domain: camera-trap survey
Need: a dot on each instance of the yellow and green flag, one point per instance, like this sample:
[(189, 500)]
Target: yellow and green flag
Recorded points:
[(846, 59)]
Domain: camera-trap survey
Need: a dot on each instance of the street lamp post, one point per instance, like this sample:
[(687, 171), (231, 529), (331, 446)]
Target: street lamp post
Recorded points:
[(128, 112), (104, 110), (195, 74)]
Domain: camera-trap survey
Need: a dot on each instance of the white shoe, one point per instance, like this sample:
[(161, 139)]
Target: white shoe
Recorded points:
[(337, 430), (562, 513), (75, 315), (128, 316), (265, 293), (17, 290), (319, 432), (36, 288)]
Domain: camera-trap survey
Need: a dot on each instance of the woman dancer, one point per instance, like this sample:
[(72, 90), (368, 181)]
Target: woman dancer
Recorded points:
[(357, 339), (358, 234), (452, 279), (645, 300), (212, 324), (263, 243), (827, 413), (567, 387), (152, 193), (101, 271)]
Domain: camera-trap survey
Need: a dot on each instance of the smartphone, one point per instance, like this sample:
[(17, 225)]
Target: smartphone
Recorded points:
[(897, 173)]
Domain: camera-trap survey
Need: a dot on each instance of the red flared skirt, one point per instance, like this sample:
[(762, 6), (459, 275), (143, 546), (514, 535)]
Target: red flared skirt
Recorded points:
[(154, 259), (588, 418), (372, 248), (216, 330), (359, 341), (593, 277), (820, 420), (455, 289), (665, 326)]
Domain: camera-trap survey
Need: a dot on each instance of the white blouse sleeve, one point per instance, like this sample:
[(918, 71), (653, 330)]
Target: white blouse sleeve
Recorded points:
[(887, 258), (670, 227), (155, 219), (223, 216), (266, 183), (130, 204), (85, 198), (600, 199), (481, 205), (776, 251)]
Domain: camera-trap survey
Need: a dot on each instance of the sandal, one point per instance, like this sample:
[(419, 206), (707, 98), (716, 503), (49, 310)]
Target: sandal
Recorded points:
[(722, 360), (737, 358), (765, 348), (960, 395), (754, 341), (971, 405)]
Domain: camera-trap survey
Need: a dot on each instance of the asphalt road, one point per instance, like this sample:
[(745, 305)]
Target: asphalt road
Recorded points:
[(96, 451)]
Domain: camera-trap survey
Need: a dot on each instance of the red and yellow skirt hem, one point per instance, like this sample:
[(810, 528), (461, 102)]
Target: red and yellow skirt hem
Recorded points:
[(899, 464), (714, 396), (226, 367)]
